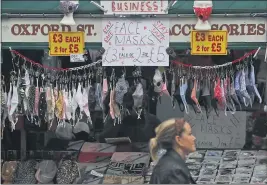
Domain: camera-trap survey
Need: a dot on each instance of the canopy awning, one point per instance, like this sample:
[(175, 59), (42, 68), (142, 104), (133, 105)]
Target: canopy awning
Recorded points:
[(181, 7)]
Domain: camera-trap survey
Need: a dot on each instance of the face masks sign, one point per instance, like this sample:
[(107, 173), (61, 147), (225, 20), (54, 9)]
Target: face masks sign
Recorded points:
[(36, 30), (135, 43), (218, 131)]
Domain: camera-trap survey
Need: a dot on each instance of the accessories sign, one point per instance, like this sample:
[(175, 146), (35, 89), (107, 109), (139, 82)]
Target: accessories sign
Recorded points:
[(209, 42)]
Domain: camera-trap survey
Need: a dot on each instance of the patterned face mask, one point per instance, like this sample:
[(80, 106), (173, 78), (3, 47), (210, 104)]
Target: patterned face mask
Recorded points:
[(252, 82), (183, 89), (138, 96), (91, 98), (158, 81), (243, 89), (121, 88), (59, 106)]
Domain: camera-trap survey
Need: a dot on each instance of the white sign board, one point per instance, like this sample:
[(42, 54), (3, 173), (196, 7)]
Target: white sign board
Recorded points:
[(36, 30), (135, 42), (134, 7), (218, 131)]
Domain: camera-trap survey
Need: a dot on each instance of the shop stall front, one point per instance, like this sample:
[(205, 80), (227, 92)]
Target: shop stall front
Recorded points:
[(91, 91)]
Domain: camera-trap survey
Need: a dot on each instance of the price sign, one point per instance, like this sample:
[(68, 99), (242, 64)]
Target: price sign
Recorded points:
[(66, 43), (212, 42)]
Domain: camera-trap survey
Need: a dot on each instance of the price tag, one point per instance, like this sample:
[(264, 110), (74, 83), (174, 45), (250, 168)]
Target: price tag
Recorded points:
[(77, 58), (213, 42), (66, 43)]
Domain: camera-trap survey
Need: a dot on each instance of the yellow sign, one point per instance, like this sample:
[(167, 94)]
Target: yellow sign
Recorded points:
[(212, 42), (66, 43)]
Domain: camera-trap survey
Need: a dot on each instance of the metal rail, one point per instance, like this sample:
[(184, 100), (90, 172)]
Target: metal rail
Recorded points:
[(9, 15)]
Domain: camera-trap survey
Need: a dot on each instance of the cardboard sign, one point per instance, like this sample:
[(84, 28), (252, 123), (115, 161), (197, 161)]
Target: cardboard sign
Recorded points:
[(66, 43), (212, 42), (220, 132)]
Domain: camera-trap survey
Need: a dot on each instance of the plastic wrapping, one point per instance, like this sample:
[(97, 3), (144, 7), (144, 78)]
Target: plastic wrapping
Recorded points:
[(248, 161), (210, 166), (261, 161), (245, 154), (229, 164), (194, 167), (244, 171), (224, 179), (232, 153), (242, 179), (261, 153), (226, 171), (211, 160), (259, 179), (194, 172), (208, 172), (205, 179), (214, 153), (193, 161), (197, 154)]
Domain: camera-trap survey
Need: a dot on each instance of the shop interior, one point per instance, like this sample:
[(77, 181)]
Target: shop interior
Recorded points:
[(103, 132)]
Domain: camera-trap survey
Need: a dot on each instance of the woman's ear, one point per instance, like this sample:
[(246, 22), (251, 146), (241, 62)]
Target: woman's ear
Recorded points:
[(178, 140)]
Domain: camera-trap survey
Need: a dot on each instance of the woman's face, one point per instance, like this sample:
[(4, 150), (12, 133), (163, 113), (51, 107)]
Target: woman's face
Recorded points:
[(186, 141)]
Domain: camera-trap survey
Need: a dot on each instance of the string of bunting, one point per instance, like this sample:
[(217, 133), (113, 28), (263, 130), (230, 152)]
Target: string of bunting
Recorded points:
[(100, 61)]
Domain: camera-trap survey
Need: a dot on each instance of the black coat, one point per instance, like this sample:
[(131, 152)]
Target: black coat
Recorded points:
[(171, 169)]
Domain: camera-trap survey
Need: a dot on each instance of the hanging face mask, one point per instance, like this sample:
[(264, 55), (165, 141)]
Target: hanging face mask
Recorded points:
[(183, 89), (207, 96), (121, 88), (158, 81), (194, 96), (246, 98), (164, 86), (14, 104), (91, 98), (42, 106), (229, 102), (105, 89), (98, 96), (111, 104), (252, 82), (138, 96)]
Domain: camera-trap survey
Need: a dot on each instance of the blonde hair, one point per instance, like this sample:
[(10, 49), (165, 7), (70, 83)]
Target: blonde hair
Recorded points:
[(165, 135)]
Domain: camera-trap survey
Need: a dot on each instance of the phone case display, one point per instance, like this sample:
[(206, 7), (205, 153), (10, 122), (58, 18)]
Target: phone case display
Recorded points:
[(228, 166), (127, 168), (92, 173)]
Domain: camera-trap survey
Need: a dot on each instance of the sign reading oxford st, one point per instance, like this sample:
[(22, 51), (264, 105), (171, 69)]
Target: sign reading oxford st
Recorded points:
[(66, 43), (212, 42)]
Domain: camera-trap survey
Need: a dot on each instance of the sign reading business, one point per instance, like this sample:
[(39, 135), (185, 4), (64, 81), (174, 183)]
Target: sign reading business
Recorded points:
[(66, 43), (134, 7), (212, 42)]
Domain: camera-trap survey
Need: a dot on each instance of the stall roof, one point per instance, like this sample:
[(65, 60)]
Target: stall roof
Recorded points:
[(181, 7)]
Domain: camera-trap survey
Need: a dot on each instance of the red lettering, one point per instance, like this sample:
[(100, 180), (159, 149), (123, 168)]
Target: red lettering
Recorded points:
[(25, 29), (16, 29), (35, 29), (45, 29)]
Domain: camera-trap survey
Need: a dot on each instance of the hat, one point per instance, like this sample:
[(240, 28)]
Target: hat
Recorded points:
[(64, 131), (81, 127), (46, 171), (8, 170)]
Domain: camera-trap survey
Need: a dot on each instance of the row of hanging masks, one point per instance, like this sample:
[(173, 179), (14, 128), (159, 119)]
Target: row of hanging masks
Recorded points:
[(225, 88), (46, 95)]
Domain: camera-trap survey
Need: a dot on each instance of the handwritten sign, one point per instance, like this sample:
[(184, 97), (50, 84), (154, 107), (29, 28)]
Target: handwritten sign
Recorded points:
[(212, 42), (218, 131), (66, 43), (135, 42), (134, 7)]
